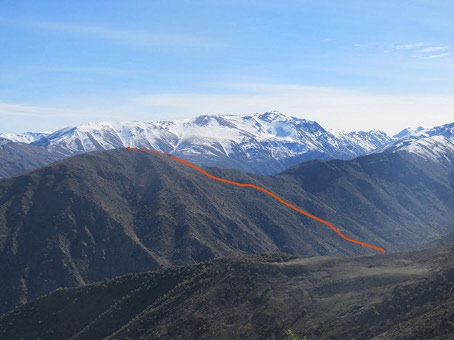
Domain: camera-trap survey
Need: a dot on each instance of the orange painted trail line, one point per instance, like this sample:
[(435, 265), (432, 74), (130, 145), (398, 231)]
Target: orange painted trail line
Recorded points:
[(284, 202), (318, 219)]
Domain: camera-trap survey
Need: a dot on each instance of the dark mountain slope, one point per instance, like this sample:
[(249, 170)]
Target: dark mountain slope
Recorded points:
[(105, 214), (442, 240), (405, 199), (396, 296), (19, 157)]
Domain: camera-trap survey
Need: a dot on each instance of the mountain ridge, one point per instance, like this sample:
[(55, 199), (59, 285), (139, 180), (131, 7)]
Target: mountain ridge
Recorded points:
[(262, 143), (104, 214)]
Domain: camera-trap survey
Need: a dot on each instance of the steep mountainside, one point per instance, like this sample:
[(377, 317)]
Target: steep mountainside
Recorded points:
[(442, 240), (407, 199), (396, 296), (105, 214), (262, 143)]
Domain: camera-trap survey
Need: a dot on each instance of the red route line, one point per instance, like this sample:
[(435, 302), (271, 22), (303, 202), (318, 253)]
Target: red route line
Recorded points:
[(291, 206)]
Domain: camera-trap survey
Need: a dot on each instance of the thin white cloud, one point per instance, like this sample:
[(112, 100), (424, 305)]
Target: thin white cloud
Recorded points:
[(411, 46), (441, 55), (85, 70), (426, 50), (434, 49), (121, 36), (19, 118), (32, 111)]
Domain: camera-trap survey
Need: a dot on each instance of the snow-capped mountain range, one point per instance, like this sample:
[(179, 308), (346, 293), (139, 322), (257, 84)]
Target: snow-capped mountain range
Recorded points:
[(263, 143), (227, 140)]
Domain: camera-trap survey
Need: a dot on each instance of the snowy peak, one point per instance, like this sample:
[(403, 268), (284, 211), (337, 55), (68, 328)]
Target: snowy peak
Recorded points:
[(105, 136), (446, 130), (407, 132), (435, 144), (207, 120), (272, 117)]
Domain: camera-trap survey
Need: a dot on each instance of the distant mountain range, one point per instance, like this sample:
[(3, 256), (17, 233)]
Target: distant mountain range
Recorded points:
[(262, 143), (17, 157)]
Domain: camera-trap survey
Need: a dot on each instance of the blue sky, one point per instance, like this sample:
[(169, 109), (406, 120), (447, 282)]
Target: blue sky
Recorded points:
[(346, 64)]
